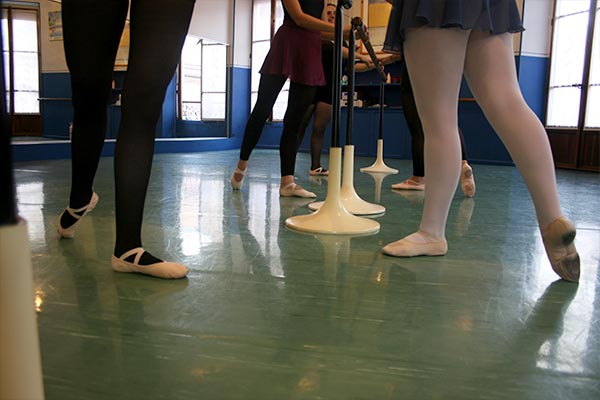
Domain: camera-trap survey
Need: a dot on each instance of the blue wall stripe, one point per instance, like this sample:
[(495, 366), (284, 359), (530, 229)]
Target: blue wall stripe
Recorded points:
[(483, 145)]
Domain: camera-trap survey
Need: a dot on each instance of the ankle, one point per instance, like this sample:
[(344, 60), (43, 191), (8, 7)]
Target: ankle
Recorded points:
[(242, 165), (430, 237), (145, 259), (286, 181)]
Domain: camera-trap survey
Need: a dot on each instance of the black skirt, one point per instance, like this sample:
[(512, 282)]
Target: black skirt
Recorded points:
[(493, 16)]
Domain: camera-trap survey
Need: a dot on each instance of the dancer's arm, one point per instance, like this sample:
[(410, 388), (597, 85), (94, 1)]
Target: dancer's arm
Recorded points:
[(309, 22)]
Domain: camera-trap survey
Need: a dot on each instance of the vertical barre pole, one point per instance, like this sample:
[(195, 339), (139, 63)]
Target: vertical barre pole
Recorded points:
[(381, 98), (350, 88), (337, 75)]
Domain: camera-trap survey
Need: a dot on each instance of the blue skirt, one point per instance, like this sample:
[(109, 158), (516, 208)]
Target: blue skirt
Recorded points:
[(493, 16)]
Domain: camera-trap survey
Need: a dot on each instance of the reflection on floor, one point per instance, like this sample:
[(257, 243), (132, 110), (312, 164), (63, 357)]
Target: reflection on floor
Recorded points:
[(268, 313)]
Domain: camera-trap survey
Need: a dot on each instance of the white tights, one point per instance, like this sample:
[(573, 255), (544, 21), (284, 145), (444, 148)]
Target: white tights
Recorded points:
[(436, 59)]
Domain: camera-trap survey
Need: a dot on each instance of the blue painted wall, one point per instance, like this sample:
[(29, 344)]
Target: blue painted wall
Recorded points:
[(483, 145), (56, 115), (533, 79)]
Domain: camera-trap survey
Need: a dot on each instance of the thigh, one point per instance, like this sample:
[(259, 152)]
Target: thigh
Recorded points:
[(92, 30), (490, 68), (157, 35), (435, 60)]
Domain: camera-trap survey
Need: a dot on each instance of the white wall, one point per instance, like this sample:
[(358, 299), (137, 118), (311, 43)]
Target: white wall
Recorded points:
[(243, 33), (537, 22), (212, 19), (53, 53)]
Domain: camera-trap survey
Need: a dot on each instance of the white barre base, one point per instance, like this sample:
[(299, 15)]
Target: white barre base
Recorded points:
[(332, 217), (378, 177), (379, 165), (20, 363), (350, 199)]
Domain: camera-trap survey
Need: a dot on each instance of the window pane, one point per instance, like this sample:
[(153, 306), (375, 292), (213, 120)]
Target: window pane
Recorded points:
[(565, 7), (280, 105), (278, 15), (4, 30), (592, 116), (6, 70), (26, 103), (190, 111), (568, 50), (214, 68), (563, 107), (213, 106), (253, 97), (25, 30), (26, 71), (259, 52), (261, 20), (191, 58)]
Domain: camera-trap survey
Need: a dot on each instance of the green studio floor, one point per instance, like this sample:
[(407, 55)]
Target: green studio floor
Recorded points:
[(269, 313)]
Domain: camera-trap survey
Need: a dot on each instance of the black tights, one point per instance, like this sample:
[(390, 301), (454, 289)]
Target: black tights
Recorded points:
[(92, 30), (322, 116), (299, 99), (416, 129)]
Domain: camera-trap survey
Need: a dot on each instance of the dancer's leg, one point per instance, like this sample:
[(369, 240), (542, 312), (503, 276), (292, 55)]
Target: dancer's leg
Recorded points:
[(435, 59), (268, 90), (157, 36), (463, 147), (299, 99), (98, 25), (305, 121), (491, 74), (490, 71), (467, 180), (321, 120), (409, 108)]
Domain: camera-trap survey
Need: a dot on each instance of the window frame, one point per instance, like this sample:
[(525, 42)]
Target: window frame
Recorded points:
[(571, 145), (180, 87), (10, 84), (273, 30)]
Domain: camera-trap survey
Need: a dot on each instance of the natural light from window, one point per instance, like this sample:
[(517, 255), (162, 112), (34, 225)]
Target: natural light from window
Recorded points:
[(22, 43), (203, 84), (261, 42), (567, 68)]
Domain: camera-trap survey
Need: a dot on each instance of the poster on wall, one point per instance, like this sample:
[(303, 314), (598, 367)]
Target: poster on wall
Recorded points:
[(55, 30), (123, 51)]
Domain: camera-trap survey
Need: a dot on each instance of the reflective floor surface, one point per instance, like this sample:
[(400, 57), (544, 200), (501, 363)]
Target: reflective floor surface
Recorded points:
[(269, 313)]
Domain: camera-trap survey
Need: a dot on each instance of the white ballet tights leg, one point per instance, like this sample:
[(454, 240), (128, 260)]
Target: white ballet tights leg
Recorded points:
[(491, 74), (435, 61)]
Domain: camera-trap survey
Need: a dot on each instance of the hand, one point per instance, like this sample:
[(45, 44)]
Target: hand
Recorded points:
[(365, 58)]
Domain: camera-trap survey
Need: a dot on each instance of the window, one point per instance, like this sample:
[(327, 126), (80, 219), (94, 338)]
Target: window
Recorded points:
[(267, 16), (574, 87), (21, 59), (203, 80)]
